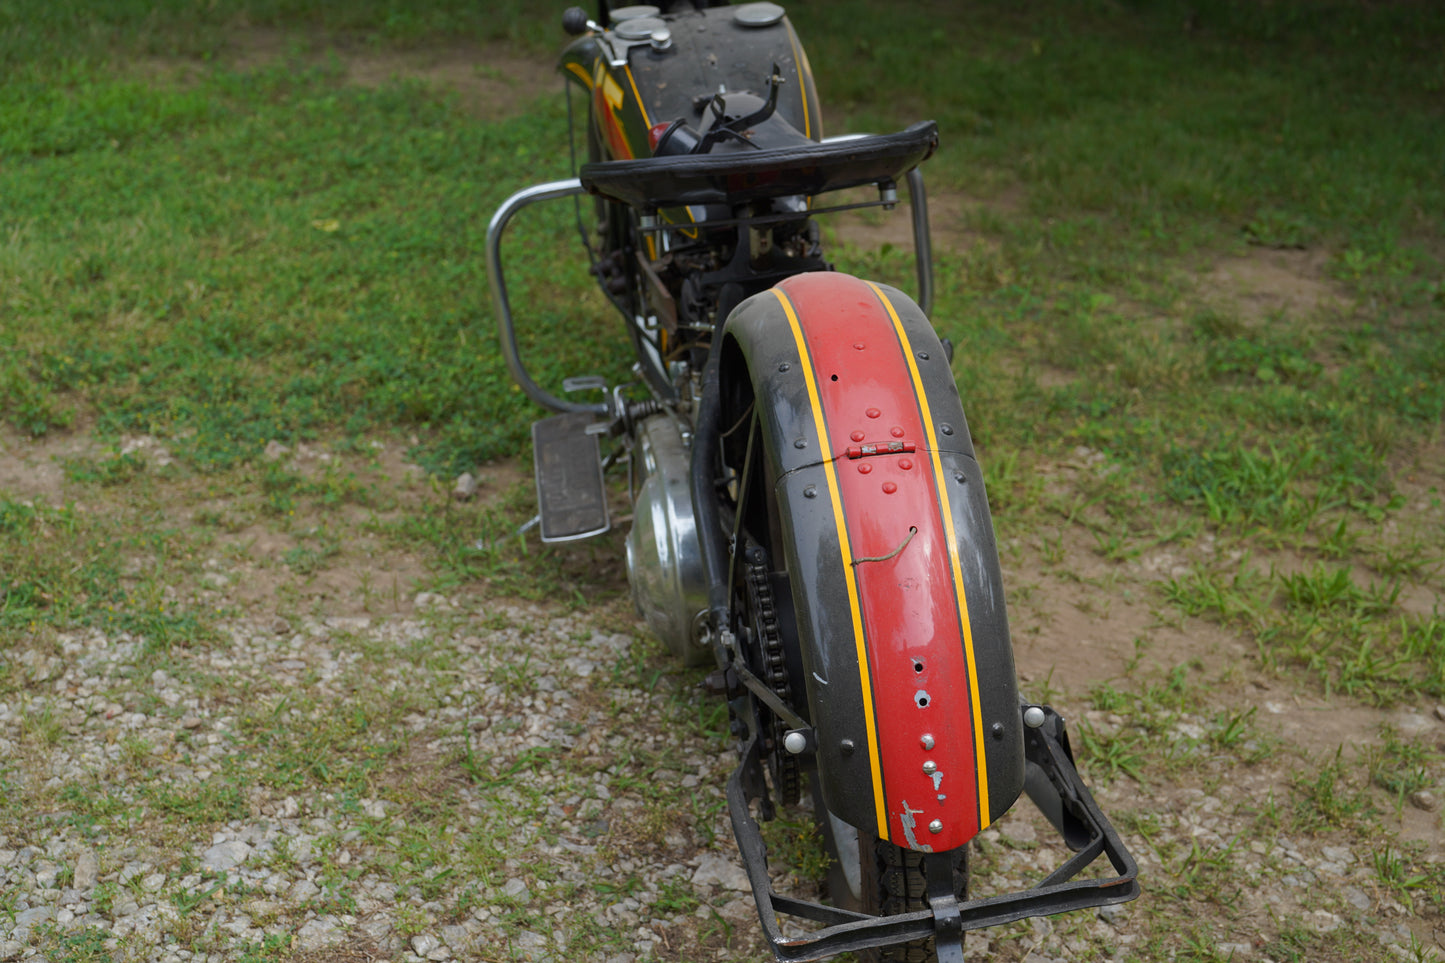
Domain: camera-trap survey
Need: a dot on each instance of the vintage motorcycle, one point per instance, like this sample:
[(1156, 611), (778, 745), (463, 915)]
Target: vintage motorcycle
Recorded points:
[(808, 513)]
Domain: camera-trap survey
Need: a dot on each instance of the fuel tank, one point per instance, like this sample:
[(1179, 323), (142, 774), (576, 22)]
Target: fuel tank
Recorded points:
[(650, 69)]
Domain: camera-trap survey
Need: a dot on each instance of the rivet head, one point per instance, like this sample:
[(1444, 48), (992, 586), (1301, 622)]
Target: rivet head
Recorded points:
[(858, 345), (800, 443), (784, 366), (873, 413), (905, 463), (858, 436), (946, 429), (864, 468), (889, 488), (896, 431), (936, 827), (959, 477), (927, 740), (998, 731), (795, 742), (847, 746), (810, 492), (1033, 717), (930, 767), (923, 355)]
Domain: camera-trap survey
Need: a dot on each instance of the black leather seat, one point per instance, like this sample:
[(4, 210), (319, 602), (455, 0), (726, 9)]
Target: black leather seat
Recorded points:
[(738, 176)]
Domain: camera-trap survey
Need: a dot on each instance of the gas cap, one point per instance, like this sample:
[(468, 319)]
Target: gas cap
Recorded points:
[(758, 14)]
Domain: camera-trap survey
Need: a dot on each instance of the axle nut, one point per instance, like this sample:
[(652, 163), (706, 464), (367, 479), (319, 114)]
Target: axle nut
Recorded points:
[(795, 742), (1033, 717)]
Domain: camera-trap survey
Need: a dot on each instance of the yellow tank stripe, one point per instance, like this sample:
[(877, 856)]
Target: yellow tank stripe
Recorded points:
[(981, 760), (579, 71), (640, 105), (856, 610), (803, 73)]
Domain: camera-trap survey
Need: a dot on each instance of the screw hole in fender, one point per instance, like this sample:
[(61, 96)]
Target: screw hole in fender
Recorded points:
[(921, 698)]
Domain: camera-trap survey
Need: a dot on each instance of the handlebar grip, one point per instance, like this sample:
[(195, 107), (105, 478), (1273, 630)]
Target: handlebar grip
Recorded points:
[(574, 21)]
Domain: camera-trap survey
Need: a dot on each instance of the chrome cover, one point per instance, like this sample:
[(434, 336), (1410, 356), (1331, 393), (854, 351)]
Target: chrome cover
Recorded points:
[(664, 560)]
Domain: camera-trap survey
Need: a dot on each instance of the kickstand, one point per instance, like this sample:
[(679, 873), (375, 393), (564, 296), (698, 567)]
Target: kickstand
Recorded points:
[(482, 545), (947, 923)]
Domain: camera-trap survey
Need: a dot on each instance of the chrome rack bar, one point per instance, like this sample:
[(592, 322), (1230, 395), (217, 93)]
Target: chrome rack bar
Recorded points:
[(922, 240), (506, 329)]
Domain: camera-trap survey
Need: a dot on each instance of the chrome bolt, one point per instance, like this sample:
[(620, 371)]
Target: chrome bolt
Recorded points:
[(1033, 717), (936, 827), (927, 740), (795, 742), (930, 767)]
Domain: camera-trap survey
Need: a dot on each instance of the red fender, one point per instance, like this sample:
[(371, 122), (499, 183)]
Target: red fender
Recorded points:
[(892, 565)]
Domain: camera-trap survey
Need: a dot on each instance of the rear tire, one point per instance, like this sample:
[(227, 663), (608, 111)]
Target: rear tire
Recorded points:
[(888, 878)]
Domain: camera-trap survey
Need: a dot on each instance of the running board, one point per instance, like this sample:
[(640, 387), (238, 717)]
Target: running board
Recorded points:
[(571, 495)]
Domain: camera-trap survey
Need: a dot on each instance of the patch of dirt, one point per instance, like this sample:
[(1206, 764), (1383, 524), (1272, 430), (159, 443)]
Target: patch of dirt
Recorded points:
[(492, 81), (950, 215), (1266, 281)]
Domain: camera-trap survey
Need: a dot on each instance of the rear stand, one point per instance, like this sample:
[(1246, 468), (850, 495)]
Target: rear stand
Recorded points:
[(1052, 783)]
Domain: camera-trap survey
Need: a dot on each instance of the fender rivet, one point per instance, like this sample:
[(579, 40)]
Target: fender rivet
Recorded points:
[(998, 731), (858, 345), (1033, 717), (864, 468), (930, 767), (923, 355), (784, 366), (958, 476), (896, 431), (810, 492), (889, 488), (946, 429), (847, 746), (873, 413), (800, 443), (927, 740), (858, 436), (936, 827), (905, 464)]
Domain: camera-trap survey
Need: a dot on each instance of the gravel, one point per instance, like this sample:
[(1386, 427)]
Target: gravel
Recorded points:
[(541, 791)]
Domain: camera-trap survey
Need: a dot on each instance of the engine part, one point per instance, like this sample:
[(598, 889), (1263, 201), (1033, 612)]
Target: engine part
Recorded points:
[(664, 559)]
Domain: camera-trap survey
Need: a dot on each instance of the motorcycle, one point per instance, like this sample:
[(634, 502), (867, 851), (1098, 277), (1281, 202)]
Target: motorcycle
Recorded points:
[(808, 513)]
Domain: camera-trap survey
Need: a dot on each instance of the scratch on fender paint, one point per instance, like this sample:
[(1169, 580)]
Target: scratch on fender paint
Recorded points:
[(937, 780), (909, 824), (820, 678)]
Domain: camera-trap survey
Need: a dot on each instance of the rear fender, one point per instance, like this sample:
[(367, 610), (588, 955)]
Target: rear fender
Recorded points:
[(891, 558)]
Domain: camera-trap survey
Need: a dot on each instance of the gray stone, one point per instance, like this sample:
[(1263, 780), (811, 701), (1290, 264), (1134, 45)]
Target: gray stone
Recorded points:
[(423, 943), (738, 910), (304, 890), (1357, 898), (1113, 914), (224, 856), (456, 938), (87, 871), (532, 946), (11, 950), (465, 488), (517, 890), (1424, 799), (318, 933), (717, 870)]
